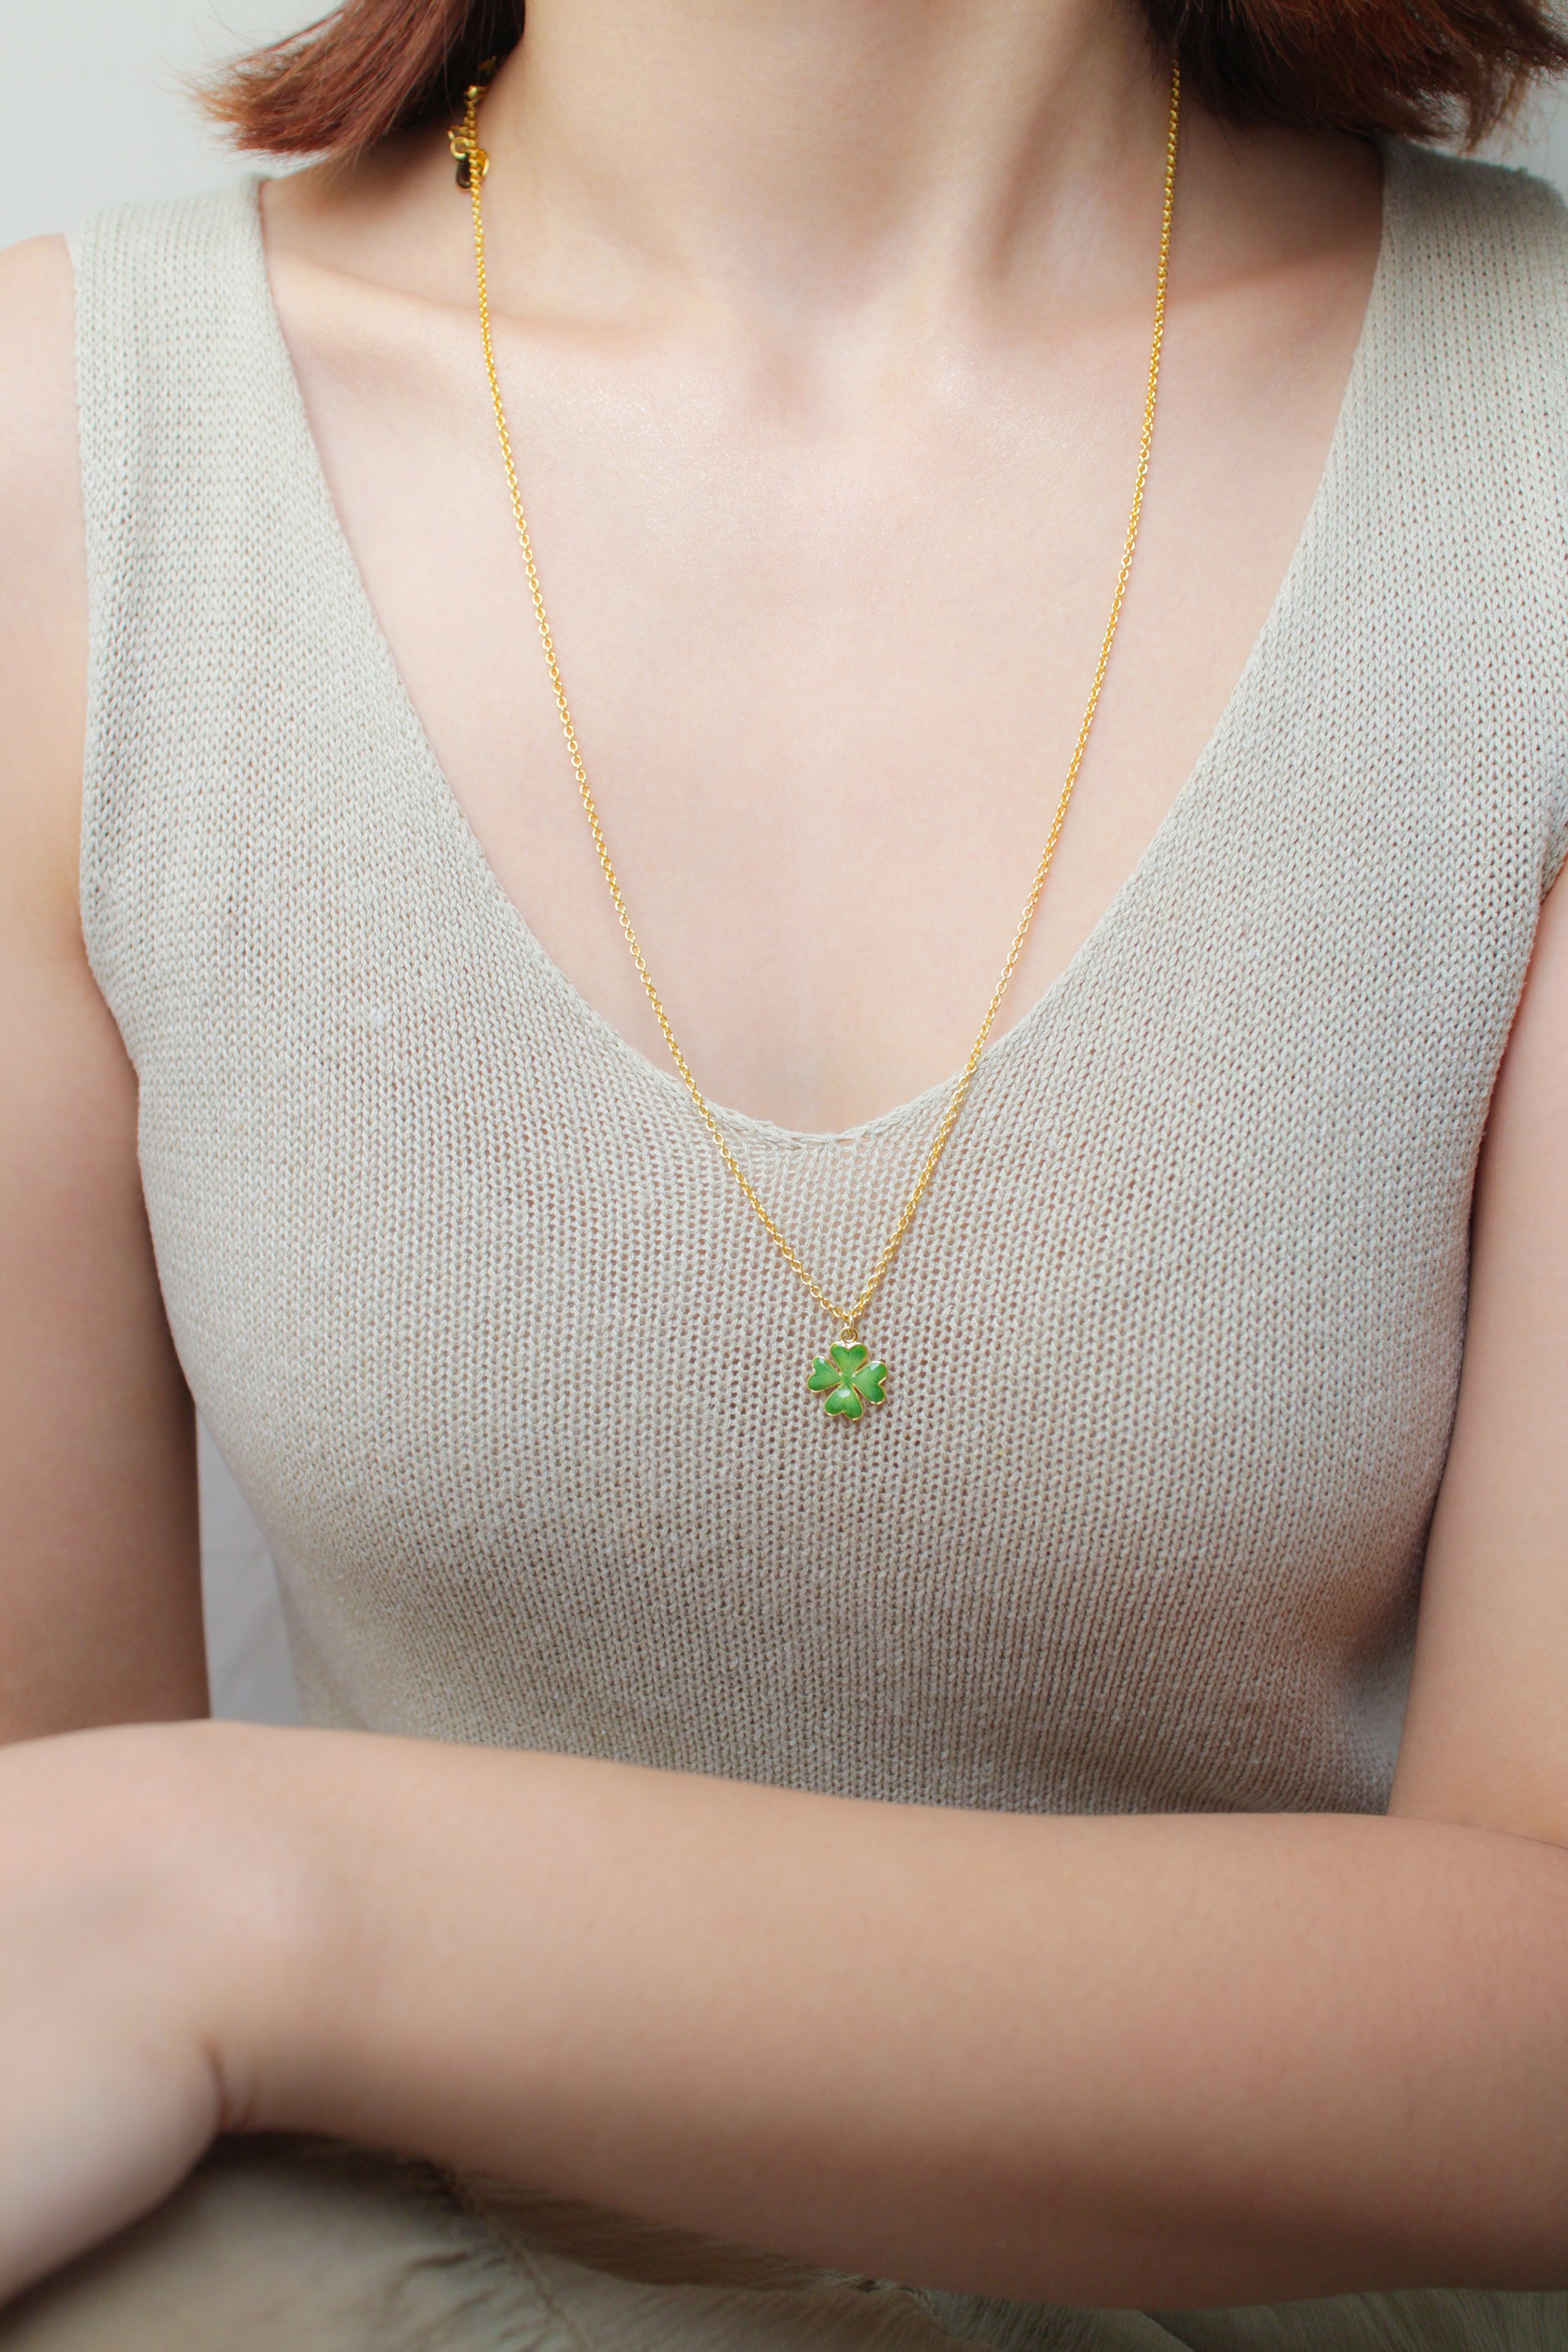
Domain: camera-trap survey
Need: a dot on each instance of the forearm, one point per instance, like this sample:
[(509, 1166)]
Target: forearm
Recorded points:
[(1145, 2061)]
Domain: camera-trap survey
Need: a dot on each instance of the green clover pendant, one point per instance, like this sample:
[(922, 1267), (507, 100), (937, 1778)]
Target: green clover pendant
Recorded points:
[(847, 1380)]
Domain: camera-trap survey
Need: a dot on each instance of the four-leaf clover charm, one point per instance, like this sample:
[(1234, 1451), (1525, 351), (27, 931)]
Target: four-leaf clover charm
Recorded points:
[(847, 1380)]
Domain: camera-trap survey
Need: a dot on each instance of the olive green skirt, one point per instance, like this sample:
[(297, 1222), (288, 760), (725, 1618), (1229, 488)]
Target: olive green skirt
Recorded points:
[(296, 2246)]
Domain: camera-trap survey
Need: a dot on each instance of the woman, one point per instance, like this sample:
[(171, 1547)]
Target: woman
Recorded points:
[(953, 1838)]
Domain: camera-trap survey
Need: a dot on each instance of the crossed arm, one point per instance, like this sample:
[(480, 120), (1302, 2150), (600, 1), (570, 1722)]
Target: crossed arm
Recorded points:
[(1154, 2060), (1159, 2061), (1165, 2062)]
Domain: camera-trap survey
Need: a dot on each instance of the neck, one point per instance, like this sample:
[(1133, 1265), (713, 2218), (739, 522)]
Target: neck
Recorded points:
[(809, 156)]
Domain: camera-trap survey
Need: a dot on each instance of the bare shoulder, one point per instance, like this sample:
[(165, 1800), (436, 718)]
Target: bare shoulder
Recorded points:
[(1486, 1739), (100, 1617), (37, 308), (43, 584), (38, 383)]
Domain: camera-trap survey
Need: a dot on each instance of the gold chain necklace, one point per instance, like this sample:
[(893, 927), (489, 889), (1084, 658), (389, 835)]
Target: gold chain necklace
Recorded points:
[(847, 1380)]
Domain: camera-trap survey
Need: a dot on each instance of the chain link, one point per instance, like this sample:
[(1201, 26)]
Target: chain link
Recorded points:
[(473, 164)]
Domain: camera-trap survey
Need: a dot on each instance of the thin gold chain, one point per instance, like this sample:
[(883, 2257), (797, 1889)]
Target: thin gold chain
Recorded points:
[(473, 164)]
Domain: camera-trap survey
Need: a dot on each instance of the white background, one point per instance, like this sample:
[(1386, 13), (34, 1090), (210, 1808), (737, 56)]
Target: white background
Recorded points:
[(92, 112)]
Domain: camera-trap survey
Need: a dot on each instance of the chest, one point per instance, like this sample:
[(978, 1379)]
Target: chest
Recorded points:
[(517, 1388), (828, 650)]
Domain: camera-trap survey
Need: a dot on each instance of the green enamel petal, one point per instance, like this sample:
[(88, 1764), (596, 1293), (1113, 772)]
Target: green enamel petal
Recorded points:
[(849, 1358), (844, 1403), (823, 1376), (868, 1380)]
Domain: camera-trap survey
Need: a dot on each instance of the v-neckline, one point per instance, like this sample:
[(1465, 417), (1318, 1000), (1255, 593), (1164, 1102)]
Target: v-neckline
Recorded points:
[(925, 1108)]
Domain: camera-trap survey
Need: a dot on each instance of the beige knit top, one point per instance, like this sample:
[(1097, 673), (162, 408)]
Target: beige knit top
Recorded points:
[(510, 1377)]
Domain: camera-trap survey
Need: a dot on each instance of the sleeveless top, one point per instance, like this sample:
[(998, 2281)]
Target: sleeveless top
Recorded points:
[(509, 1375)]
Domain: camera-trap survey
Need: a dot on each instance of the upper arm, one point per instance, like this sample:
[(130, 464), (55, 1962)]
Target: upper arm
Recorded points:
[(1486, 1739), (99, 1593)]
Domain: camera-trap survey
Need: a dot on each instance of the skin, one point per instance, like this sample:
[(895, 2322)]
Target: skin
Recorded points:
[(827, 323)]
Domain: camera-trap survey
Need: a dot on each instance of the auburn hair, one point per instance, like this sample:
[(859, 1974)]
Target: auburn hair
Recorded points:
[(1416, 68)]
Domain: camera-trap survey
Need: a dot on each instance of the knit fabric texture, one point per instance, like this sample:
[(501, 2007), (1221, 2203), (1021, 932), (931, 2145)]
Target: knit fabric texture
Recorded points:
[(506, 1368)]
